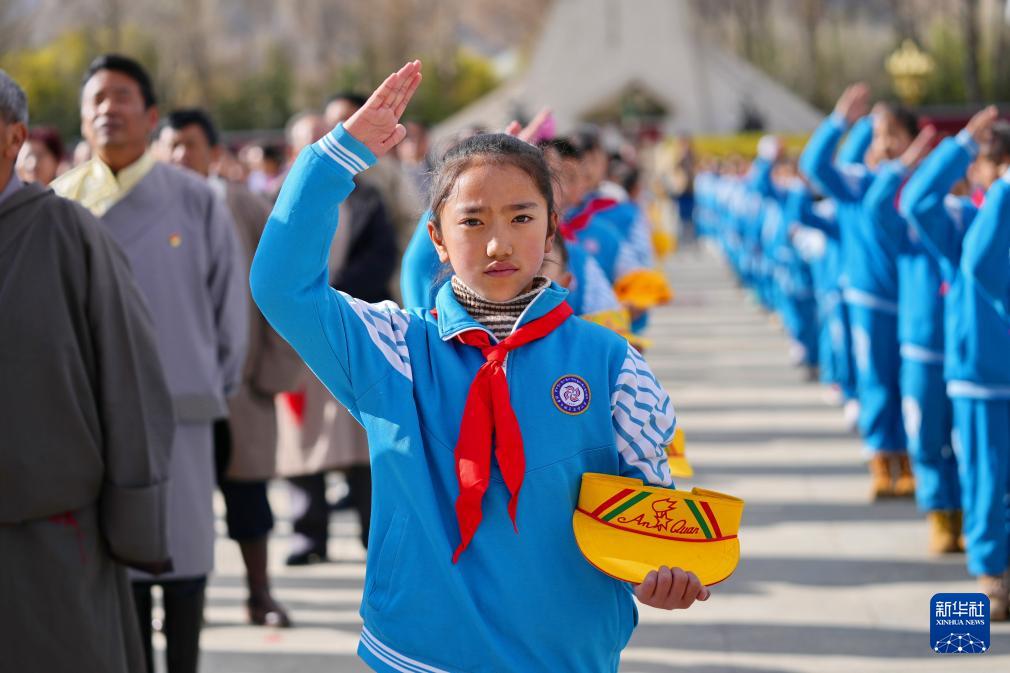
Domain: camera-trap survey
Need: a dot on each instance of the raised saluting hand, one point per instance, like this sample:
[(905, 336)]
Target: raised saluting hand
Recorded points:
[(980, 125), (854, 102), (919, 148), (377, 124), (531, 132)]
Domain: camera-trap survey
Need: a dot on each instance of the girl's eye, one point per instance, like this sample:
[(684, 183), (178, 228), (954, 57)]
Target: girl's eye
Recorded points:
[(470, 222), (522, 218)]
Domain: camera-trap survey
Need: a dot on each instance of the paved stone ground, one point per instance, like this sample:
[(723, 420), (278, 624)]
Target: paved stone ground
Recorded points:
[(827, 581)]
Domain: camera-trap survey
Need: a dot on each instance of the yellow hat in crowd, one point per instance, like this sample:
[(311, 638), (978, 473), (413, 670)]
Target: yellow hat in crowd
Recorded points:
[(643, 289), (676, 455), (627, 529)]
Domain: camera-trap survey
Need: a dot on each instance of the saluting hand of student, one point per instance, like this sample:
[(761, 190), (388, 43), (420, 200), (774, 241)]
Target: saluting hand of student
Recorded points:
[(854, 102), (671, 589), (531, 131), (919, 148), (980, 125), (377, 123)]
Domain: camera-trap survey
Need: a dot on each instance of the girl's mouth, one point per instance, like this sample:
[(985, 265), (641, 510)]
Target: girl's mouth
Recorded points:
[(499, 270)]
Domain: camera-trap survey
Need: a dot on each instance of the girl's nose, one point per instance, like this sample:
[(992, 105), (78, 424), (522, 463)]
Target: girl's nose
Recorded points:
[(498, 247)]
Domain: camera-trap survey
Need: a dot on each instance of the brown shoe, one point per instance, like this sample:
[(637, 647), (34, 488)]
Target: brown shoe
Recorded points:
[(995, 587), (904, 481), (881, 485), (945, 532)]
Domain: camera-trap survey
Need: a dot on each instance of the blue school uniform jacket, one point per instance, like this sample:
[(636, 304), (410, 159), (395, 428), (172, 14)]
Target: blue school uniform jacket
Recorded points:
[(982, 331), (795, 274), (870, 256), (601, 239), (920, 283), (590, 291), (974, 254), (513, 602), (825, 263), (633, 226)]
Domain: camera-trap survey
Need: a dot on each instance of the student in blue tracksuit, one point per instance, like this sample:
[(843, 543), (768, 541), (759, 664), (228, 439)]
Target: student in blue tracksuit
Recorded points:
[(631, 222), (579, 207), (815, 237), (483, 554), (795, 277), (835, 344), (786, 283), (627, 215), (925, 406), (588, 289), (871, 290), (851, 154), (759, 226), (973, 253), (585, 222)]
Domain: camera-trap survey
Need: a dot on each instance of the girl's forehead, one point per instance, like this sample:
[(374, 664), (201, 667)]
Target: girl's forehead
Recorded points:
[(493, 182)]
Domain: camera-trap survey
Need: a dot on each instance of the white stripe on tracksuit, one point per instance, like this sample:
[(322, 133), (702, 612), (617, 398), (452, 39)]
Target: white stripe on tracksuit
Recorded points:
[(644, 420), (387, 327), (343, 156), (392, 658)]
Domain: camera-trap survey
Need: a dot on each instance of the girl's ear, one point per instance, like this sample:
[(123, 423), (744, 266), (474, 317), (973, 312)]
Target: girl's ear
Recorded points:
[(436, 238), (552, 228)]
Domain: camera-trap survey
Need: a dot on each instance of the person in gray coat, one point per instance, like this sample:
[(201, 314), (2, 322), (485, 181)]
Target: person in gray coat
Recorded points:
[(246, 442), (189, 263), (86, 430)]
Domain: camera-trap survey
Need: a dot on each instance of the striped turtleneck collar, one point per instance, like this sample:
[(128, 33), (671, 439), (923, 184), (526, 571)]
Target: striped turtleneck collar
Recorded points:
[(499, 317)]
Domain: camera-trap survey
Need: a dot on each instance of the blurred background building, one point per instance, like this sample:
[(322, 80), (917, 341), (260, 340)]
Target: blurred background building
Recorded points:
[(704, 66)]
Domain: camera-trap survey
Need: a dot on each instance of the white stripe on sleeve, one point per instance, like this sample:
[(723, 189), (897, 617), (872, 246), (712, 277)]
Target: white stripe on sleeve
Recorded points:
[(643, 419), (387, 325), (347, 159)]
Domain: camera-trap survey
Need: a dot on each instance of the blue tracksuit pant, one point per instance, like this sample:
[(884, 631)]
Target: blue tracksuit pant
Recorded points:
[(875, 352), (928, 420), (836, 350), (982, 430)]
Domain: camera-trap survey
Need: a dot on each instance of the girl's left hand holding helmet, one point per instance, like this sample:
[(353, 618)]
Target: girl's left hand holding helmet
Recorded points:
[(671, 589)]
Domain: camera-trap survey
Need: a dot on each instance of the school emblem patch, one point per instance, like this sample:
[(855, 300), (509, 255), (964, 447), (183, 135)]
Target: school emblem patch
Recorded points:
[(175, 240), (571, 394)]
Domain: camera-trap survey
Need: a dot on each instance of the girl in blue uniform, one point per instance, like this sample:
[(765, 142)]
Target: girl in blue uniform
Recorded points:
[(472, 562)]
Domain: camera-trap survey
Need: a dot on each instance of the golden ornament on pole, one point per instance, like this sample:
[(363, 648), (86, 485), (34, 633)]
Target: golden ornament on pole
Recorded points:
[(909, 68)]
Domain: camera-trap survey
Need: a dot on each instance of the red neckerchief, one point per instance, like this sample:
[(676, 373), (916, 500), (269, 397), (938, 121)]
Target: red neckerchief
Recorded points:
[(295, 400), (978, 197), (581, 219), (488, 412)]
